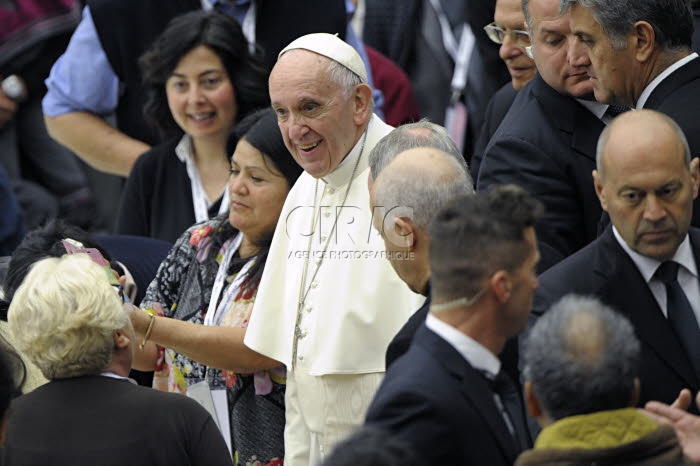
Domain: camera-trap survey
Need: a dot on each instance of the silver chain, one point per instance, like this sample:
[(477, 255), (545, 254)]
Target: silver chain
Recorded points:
[(314, 218)]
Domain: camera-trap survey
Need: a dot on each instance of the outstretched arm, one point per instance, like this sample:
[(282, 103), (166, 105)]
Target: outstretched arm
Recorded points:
[(220, 347)]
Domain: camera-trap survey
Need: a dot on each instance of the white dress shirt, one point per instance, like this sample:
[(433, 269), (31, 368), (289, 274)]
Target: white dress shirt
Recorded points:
[(687, 273)]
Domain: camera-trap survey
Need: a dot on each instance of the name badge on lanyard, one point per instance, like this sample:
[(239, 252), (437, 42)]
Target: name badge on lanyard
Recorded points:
[(216, 400), (199, 197)]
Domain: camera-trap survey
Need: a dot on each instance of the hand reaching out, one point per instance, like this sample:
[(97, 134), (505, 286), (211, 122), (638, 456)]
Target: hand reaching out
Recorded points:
[(687, 425)]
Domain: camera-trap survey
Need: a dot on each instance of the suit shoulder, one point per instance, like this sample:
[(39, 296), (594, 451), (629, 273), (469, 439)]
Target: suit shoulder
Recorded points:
[(574, 274)]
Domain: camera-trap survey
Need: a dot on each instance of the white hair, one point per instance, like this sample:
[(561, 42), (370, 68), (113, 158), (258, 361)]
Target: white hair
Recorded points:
[(64, 315)]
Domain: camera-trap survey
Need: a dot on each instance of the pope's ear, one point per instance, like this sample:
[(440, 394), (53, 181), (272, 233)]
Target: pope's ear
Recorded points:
[(362, 100)]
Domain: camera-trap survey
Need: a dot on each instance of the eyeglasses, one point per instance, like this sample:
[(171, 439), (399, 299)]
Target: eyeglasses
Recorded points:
[(498, 35)]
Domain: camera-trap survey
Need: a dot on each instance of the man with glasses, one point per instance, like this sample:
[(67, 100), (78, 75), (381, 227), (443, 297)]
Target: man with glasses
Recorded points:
[(507, 30), (546, 143)]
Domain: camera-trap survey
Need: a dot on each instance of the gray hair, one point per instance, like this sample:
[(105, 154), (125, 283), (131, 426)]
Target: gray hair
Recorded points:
[(477, 235), (672, 20), (64, 315), (425, 190), (528, 18), (581, 357), (345, 78), (607, 132), (420, 134)]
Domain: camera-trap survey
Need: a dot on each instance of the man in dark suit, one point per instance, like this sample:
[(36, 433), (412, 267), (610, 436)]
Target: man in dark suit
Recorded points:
[(647, 182), (546, 142), (424, 153), (68, 320), (641, 56), (509, 31), (448, 396)]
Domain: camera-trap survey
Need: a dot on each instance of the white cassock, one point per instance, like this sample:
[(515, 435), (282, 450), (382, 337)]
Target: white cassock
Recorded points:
[(355, 304)]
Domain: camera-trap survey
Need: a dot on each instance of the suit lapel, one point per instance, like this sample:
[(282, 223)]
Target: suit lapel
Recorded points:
[(680, 77), (474, 388), (571, 118), (626, 291)]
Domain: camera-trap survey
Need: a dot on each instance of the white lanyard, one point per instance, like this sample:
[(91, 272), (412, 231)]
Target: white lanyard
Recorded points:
[(248, 26), (216, 313), (460, 52), (199, 197), (464, 55)]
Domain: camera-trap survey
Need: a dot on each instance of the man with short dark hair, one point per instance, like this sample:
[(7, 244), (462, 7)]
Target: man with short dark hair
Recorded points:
[(582, 360), (448, 396), (640, 54), (644, 265)]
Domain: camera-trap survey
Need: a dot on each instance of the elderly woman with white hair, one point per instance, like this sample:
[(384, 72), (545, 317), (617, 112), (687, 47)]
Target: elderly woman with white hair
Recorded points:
[(70, 322)]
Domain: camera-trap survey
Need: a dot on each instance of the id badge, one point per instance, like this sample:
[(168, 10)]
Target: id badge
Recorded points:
[(216, 403), (456, 123)]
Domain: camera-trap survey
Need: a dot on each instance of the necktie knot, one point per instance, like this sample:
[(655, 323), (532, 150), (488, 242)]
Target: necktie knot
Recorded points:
[(501, 384), (667, 272), (615, 110)]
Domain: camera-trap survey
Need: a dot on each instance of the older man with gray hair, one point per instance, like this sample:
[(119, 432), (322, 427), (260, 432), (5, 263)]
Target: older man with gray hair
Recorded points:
[(640, 55), (417, 171), (69, 321), (581, 367), (419, 134)]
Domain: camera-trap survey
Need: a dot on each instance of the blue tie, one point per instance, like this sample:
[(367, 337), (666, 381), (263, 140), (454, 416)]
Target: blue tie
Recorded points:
[(680, 313)]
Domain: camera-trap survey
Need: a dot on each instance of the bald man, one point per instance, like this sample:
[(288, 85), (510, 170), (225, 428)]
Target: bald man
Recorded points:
[(404, 198), (646, 181)]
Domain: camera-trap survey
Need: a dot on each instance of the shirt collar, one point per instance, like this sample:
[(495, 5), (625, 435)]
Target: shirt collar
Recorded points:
[(475, 354), (663, 75), (112, 375), (341, 175), (596, 108), (209, 4), (184, 149), (647, 266)]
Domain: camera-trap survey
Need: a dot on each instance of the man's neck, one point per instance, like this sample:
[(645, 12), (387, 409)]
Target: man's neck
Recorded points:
[(657, 65), (472, 322)]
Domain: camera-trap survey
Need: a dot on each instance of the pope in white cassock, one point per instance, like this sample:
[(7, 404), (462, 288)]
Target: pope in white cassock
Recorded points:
[(329, 302)]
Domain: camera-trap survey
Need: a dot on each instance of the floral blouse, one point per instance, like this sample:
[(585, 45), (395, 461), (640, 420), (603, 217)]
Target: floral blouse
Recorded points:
[(182, 290)]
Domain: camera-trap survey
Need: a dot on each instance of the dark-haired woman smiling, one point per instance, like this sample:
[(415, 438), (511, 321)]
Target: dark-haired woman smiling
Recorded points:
[(201, 80)]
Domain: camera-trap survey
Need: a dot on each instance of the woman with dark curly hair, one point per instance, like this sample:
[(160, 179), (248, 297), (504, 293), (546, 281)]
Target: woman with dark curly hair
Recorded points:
[(201, 79), (202, 298)]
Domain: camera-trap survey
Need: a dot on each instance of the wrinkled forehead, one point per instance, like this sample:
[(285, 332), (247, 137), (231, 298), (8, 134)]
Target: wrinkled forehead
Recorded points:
[(302, 75)]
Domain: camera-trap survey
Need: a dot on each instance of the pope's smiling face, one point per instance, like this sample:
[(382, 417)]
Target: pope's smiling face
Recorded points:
[(319, 121)]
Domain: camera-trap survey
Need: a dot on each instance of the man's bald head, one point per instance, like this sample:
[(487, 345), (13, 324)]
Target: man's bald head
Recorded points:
[(636, 124), (423, 179), (647, 182), (420, 134)]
